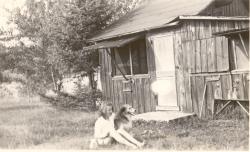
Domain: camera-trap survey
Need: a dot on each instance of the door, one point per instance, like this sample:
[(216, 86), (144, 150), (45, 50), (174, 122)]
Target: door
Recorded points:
[(165, 86)]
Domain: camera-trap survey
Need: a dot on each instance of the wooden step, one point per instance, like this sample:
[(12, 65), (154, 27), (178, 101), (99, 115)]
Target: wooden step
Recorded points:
[(167, 108)]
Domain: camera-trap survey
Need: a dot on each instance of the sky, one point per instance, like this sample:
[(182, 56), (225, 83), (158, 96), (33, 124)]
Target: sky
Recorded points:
[(9, 4)]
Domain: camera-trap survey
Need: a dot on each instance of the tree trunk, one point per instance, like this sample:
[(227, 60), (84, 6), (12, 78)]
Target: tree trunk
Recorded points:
[(92, 81), (53, 79)]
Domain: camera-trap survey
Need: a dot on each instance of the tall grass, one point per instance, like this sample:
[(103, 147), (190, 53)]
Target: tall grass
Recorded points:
[(195, 134), (37, 125), (26, 125)]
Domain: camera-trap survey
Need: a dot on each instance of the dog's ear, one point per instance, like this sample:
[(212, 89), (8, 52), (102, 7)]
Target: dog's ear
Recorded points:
[(122, 110)]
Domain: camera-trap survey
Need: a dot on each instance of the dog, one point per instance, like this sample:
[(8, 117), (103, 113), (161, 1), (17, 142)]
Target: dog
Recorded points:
[(98, 103), (123, 118), (122, 122)]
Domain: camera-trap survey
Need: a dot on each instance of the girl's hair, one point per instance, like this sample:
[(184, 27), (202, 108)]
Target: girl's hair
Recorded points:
[(103, 109)]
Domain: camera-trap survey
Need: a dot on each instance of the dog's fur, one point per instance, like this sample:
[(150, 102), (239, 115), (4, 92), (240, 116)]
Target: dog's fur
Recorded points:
[(123, 118)]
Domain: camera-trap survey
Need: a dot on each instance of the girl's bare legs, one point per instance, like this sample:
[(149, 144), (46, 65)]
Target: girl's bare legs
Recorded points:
[(119, 138), (130, 138)]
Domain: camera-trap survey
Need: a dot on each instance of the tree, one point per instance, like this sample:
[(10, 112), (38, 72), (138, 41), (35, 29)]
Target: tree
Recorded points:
[(57, 30)]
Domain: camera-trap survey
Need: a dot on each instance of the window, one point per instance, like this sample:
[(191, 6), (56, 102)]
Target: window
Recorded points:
[(239, 51), (130, 59)]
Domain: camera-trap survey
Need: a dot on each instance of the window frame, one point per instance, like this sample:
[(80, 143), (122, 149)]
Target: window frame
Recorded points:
[(233, 58), (132, 75)]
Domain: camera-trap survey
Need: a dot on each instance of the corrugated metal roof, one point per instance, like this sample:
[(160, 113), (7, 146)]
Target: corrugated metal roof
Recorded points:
[(153, 13)]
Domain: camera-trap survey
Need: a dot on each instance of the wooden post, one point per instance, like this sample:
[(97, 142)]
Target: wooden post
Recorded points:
[(203, 98), (234, 54), (243, 44), (243, 107), (130, 60)]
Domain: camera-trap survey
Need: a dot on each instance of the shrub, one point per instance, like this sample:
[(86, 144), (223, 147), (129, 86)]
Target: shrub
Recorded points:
[(81, 101)]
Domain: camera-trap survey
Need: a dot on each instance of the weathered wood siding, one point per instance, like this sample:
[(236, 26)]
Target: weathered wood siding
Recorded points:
[(225, 81), (235, 8), (198, 51), (140, 96)]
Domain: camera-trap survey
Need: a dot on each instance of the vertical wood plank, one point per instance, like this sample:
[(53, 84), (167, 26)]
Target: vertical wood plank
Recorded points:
[(236, 8), (133, 98), (246, 85), (200, 84), (177, 50), (197, 29), (104, 74), (140, 104), (182, 71), (219, 54), (151, 65), (109, 81), (225, 61), (187, 27), (192, 30), (226, 85), (153, 101), (209, 98), (188, 101), (117, 101), (107, 77), (137, 95), (182, 92), (150, 55), (189, 96), (178, 65), (215, 26), (201, 32), (116, 97), (143, 95), (194, 95), (192, 56), (208, 29), (204, 67), (129, 95), (121, 95), (211, 55), (147, 95), (112, 92), (188, 56), (197, 56)]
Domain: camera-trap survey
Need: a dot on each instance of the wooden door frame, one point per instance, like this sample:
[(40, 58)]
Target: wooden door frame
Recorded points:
[(159, 35)]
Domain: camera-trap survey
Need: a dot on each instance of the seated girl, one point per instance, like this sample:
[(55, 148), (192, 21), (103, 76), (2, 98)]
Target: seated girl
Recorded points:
[(105, 133)]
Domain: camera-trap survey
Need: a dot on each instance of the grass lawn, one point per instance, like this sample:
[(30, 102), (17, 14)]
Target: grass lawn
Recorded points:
[(38, 125)]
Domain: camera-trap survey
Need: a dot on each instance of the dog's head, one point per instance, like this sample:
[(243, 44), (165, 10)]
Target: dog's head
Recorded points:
[(124, 116), (98, 103), (127, 110)]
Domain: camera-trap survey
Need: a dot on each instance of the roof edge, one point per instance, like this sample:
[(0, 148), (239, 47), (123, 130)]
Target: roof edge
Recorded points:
[(224, 18), (175, 22), (230, 32), (134, 32)]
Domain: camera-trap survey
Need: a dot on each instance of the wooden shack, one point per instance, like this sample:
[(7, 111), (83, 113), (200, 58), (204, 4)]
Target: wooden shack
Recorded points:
[(161, 55)]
